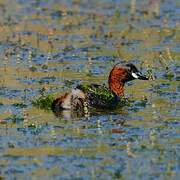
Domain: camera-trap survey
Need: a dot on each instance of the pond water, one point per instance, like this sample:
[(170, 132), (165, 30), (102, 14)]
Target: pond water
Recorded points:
[(51, 47)]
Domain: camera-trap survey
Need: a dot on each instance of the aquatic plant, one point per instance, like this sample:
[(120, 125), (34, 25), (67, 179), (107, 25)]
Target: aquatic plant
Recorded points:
[(44, 101), (33, 68), (106, 97), (20, 104)]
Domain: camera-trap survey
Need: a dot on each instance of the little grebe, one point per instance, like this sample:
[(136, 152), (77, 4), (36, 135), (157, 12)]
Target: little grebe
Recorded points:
[(99, 96)]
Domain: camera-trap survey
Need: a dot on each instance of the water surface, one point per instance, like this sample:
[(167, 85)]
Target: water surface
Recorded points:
[(50, 47)]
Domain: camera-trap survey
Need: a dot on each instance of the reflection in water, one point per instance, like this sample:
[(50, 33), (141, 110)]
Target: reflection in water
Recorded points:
[(123, 112), (69, 115)]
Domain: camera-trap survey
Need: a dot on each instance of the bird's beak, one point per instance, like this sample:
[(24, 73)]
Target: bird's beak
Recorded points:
[(138, 75)]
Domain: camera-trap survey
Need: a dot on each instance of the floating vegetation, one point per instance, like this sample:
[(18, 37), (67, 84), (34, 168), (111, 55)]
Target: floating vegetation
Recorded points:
[(47, 80), (68, 48), (106, 97), (33, 68), (68, 83), (20, 105), (45, 66), (169, 76), (97, 90), (44, 101)]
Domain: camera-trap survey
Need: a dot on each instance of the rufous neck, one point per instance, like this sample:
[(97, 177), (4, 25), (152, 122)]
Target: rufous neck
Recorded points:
[(115, 83), (116, 88)]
